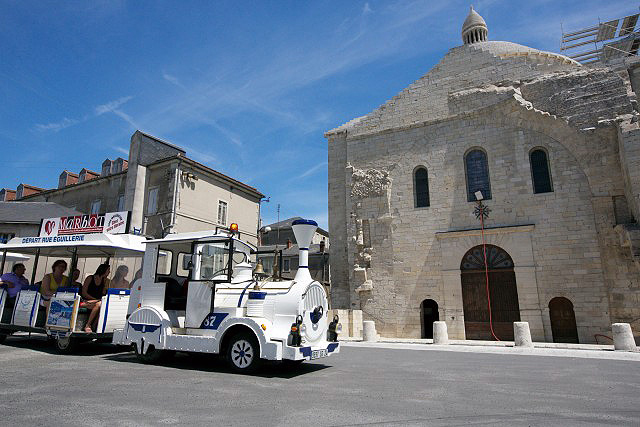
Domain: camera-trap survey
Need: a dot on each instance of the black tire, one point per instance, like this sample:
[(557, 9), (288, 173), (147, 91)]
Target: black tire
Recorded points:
[(243, 353), (153, 355), (2, 338), (66, 345)]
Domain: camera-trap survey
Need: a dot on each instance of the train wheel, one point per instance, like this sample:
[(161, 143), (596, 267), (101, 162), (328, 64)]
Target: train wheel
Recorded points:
[(243, 353), (66, 345)]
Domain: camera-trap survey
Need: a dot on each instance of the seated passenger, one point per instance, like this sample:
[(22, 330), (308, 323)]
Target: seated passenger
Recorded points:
[(136, 277), (14, 281), (52, 281), (74, 279), (119, 280), (94, 288)]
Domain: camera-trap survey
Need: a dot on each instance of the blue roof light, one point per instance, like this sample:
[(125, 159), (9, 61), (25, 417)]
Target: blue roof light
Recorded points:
[(305, 222)]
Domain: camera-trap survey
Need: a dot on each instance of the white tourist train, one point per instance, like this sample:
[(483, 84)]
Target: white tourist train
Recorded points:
[(62, 317), (198, 293)]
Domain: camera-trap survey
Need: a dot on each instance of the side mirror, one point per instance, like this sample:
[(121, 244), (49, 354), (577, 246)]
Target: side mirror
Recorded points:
[(187, 264)]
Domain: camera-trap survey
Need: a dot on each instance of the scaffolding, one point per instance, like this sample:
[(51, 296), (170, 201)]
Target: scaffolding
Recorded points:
[(604, 42)]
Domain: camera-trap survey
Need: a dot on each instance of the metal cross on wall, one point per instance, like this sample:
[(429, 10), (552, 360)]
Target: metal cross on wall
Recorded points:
[(481, 211)]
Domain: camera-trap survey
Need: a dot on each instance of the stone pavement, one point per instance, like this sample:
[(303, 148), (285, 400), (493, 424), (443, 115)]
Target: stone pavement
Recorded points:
[(588, 351)]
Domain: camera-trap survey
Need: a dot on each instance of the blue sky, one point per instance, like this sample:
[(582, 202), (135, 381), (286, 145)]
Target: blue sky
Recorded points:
[(248, 88)]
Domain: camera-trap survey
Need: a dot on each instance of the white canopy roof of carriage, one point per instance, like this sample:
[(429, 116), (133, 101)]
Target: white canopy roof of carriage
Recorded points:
[(203, 236), (89, 245), (11, 256)]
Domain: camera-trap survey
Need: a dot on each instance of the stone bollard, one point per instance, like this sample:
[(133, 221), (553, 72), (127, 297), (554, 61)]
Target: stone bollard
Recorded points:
[(522, 334), (355, 320), (440, 334), (623, 337), (369, 331)]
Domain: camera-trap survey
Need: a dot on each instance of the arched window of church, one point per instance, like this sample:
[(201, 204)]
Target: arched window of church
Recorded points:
[(477, 170), (540, 174), (421, 187)]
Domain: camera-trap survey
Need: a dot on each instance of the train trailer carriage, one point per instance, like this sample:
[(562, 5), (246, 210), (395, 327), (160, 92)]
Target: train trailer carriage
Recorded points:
[(198, 293), (63, 320)]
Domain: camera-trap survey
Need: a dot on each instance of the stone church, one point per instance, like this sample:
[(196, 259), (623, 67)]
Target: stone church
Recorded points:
[(550, 147)]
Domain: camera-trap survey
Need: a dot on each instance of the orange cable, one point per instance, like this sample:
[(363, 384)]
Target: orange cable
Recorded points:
[(486, 273)]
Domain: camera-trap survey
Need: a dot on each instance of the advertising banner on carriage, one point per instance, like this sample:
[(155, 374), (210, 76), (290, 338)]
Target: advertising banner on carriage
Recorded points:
[(61, 312), (108, 223)]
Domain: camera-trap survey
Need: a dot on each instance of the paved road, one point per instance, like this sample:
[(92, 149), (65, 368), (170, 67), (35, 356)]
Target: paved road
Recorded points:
[(360, 386)]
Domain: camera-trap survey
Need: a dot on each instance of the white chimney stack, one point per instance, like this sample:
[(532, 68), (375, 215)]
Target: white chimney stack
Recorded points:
[(303, 229)]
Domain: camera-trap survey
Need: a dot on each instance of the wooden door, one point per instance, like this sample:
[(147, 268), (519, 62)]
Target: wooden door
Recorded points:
[(563, 320), (504, 305)]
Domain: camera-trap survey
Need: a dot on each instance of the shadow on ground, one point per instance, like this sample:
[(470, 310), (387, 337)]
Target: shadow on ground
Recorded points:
[(42, 344), (213, 363)]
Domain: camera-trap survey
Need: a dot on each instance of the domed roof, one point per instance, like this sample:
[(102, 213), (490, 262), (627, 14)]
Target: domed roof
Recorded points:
[(516, 51), (473, 20)]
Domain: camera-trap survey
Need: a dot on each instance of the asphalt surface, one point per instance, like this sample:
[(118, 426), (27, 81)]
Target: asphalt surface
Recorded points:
[(359, 386)]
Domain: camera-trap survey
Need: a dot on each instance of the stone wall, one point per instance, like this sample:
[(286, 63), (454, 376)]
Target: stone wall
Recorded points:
[(464, 67), (573, 224)]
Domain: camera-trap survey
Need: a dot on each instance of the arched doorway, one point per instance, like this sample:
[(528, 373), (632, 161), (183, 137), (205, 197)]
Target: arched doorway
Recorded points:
[(502, 289), (563, 320), (429, 314)]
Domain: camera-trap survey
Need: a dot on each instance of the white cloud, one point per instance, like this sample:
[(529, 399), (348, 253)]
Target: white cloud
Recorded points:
[(263, 87), (121, 150), (366, 9), (199, 156), (172, 79), (112, 105), (312, 170), (109, 107), (56, 127)]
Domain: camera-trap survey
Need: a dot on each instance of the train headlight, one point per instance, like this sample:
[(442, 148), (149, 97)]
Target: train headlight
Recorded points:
[(295, 339)]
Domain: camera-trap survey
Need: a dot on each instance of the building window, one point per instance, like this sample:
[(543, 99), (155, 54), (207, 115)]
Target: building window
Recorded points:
[(421, 187), (540, 174), (152, 201), (477, 170), (222, 212), (286, 266), (120, 207), (95, 206)]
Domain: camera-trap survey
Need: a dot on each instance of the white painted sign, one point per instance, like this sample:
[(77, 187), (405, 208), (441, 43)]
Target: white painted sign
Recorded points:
[(108, 223), (25, 312)]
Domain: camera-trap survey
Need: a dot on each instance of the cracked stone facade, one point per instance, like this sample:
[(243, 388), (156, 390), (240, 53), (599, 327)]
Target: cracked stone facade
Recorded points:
[(579, 241)]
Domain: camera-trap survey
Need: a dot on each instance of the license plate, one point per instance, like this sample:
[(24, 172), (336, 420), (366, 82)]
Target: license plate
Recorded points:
[(317, 354)]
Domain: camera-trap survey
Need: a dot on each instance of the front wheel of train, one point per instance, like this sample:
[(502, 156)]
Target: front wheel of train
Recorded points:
[(243, 353), (66, 345)]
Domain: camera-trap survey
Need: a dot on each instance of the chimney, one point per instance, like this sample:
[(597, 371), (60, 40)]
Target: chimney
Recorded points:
[(289, 243), (303, 229)]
